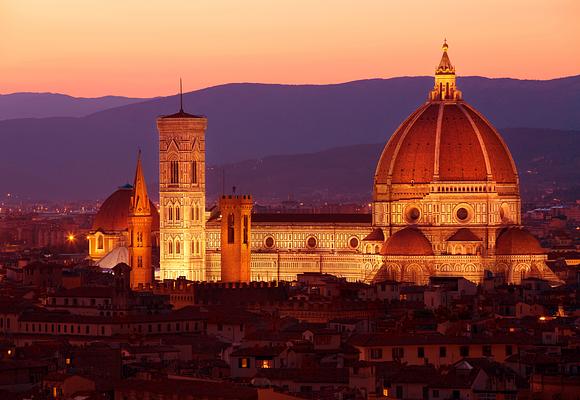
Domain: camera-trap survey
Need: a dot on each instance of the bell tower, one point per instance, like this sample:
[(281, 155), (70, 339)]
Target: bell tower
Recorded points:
[(182, 195), (236, 238), (139, 224)]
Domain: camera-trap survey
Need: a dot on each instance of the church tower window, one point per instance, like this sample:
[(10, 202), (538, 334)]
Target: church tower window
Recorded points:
[(231, 228), (194, 171), (170, 247), (177, 247), (177, 212), (174, 172), (245, 229)]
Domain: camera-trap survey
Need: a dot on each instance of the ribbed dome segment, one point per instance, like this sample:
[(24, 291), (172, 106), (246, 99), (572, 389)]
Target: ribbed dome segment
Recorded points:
[(407, 242), (114, 212), (517, 241), (445, 141)]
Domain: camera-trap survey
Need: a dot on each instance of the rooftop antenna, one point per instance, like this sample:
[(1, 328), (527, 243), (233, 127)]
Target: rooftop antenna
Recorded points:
[(180, 96)]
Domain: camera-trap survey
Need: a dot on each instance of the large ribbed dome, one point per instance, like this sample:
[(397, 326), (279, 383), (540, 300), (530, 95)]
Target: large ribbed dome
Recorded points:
[(445, 141), (114, 212)]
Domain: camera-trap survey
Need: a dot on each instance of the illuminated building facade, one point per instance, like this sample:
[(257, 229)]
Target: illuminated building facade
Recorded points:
[(446, 202), (182, 195)]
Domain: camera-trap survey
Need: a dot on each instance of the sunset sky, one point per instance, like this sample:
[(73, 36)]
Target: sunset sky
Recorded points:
[(141, 48)]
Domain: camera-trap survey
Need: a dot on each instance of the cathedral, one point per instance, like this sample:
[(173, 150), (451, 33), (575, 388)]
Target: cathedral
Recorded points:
[(446, 202)]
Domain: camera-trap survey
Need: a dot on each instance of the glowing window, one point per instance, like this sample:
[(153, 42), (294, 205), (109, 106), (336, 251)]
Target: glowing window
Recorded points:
[(244, 363)]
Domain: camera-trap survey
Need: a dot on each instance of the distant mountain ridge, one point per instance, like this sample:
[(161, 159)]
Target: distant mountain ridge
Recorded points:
[(87, 157), (46, 105)]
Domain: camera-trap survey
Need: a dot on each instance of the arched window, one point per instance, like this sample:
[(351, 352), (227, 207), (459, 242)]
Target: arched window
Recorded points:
[(174, 173), (197, 213), (100, 242), (193, 213), (170, 247), (177, 212), (177, 247), (170, 213)]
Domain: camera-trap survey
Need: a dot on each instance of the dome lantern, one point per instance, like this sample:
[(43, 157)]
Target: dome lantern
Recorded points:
[(445, 87)]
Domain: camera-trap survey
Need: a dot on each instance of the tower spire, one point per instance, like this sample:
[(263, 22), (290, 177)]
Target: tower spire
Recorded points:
[(139, 224), (445, 87), (180, 96), (140, 199)]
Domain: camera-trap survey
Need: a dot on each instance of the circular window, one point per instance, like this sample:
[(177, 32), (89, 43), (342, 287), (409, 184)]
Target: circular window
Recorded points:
[(412, 214), (311, 242), (353, 242), (462, 214), (269, 242)]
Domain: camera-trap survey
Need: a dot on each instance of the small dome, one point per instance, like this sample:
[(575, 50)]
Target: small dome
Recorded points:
[(407, 242), (114, 212), (517, 241)]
